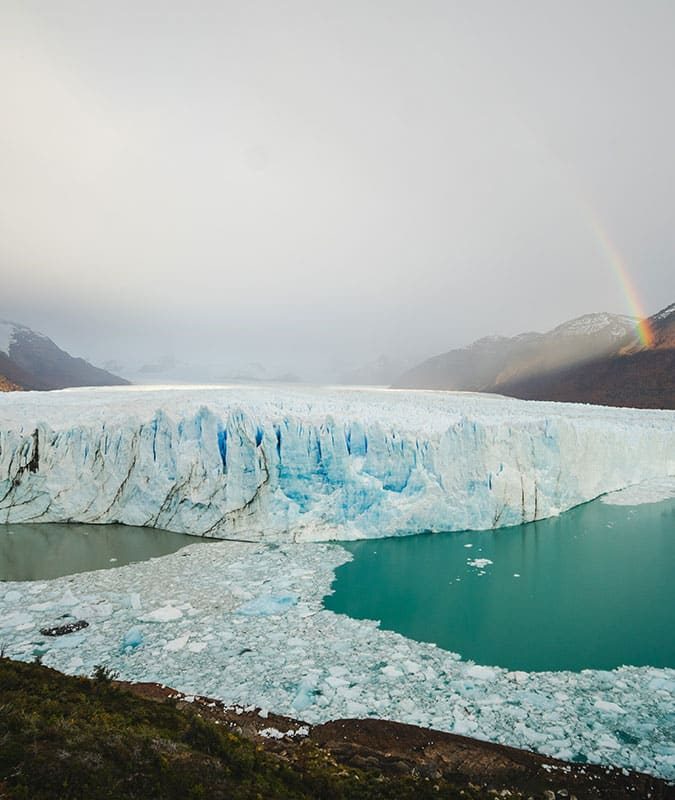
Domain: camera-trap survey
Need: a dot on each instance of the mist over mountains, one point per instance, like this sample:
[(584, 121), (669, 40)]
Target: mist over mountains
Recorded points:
[(595, 358)]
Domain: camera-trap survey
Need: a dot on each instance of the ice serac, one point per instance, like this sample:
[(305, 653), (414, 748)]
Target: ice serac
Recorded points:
[(278, 464)]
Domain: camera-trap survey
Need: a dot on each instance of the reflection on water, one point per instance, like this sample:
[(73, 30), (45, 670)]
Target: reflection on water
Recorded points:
[(592, 588), (41, 551)]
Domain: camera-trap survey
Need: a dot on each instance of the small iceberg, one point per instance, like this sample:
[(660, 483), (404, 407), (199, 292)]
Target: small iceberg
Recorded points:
[(267, 605), (133, 638)]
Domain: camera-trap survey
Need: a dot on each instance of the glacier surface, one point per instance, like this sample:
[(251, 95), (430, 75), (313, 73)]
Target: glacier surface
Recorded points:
[(244, 623), (302, 464)]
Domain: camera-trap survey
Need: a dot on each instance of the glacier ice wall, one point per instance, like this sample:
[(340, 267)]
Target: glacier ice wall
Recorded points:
[(275, 464)]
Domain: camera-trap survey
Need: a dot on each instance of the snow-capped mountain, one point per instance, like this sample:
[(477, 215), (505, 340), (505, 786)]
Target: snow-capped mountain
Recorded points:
[(31, 360), (494, 360), (597, 358)]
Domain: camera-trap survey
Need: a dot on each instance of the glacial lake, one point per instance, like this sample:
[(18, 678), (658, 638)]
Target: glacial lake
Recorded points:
[(30, 552), (593, 588)]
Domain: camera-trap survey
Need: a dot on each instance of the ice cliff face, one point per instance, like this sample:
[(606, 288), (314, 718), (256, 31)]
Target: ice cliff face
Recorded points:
[(280, 464)]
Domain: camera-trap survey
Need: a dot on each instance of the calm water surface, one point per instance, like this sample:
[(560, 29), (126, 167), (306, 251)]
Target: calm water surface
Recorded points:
[(39, 552), (593, 588)]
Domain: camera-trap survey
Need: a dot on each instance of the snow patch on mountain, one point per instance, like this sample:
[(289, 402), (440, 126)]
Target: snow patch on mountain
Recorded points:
[(588, 324), (12, 332), (667, 312), (7, 331)]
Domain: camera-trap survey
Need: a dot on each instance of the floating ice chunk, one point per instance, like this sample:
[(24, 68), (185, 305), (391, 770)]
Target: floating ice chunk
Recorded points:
[(12, 596), (355, 709), (305, 696), (133, 638), (479, 563), (481, 673), (197, 647), (66, 642), (40, 606), (177, 644), (268, 604), (68, 599), (609, 708), (607, 742), (15, 620), (391, 672), (468, 545), (163, 614), (516, 574), (135, 600)]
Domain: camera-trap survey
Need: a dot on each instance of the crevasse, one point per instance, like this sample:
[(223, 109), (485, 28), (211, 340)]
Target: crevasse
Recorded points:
[(315, 464)]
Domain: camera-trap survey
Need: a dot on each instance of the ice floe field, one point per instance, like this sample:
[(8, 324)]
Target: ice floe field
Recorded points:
[(244, 621)]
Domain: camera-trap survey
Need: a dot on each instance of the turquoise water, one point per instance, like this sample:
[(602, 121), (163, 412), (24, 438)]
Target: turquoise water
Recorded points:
[(596, 589), (31, 552)]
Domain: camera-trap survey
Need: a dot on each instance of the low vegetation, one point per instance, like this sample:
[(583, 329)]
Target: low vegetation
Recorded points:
[(66, 737)]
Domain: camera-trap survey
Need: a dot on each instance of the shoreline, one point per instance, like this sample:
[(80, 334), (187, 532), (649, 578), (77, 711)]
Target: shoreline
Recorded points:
[(80, 725)]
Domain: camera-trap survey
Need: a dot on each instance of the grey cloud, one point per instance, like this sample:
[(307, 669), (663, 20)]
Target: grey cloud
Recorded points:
[(317, 183)]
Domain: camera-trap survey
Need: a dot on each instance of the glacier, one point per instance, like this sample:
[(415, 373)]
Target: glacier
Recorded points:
[(244, 622), (314, 464)]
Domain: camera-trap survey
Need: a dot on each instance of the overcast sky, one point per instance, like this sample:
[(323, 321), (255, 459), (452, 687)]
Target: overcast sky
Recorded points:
[(298, 181)]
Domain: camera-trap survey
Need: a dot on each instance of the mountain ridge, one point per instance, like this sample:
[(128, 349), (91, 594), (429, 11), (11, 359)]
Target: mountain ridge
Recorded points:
[(30, 360), (596, 358)]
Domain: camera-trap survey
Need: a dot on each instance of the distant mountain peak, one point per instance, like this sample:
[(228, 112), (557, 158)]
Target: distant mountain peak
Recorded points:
[(9, 331), (588, 324), (31, 360)]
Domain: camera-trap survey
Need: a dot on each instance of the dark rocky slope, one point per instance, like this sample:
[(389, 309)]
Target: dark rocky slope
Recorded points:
[(636, 376), (29, 360)]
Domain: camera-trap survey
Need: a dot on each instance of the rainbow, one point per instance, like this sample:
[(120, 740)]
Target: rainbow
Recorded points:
[(616, 260), (567, 175)]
